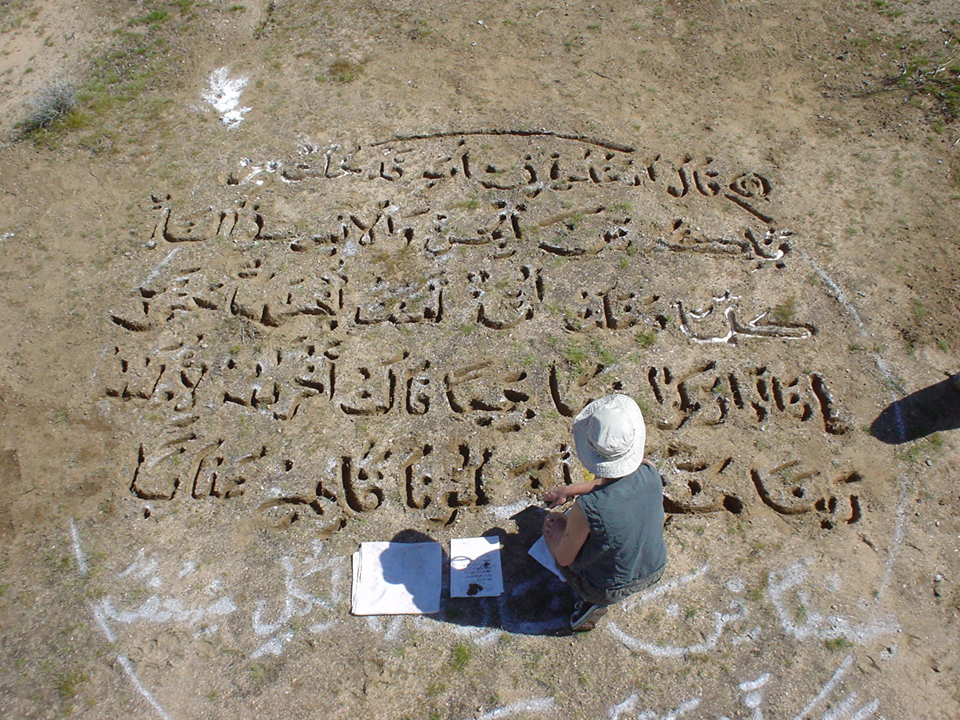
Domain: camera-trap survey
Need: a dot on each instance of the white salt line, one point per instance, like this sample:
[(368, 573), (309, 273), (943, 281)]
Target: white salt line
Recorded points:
[(898, 418), (501, 512), (683, 708), (539, 705), (828, 688), (158, 268), (866, 711), (77, 551), (720, 622), (128, 668), (755, 684), (838, 293), (841, 710), (897, 542), (102, 622), (627, 706), (660, 589)]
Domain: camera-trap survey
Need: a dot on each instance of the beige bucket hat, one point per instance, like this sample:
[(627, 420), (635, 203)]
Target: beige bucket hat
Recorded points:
[(609, 435)]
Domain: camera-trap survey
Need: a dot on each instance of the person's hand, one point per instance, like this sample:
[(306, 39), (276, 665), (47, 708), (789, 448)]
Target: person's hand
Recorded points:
[(553, 526), (557, 496)]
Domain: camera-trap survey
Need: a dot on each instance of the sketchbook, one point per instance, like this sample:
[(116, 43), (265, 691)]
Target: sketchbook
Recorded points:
[(539, 552), (396, 578), (475, 569)]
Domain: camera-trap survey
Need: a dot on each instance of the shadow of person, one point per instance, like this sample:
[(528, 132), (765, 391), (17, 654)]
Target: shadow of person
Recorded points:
[(933, 409), (409, 578), (534, 600)]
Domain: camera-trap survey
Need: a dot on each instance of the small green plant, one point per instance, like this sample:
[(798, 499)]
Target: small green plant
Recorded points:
[(919, 311), (606, 356), (153, 18), (344, 71), (837, 643), (942, 344), (68, 683), (575, 355), (435, 688), (784, 312), (472, 204), (462, 652), (421, 29), (646, 339)]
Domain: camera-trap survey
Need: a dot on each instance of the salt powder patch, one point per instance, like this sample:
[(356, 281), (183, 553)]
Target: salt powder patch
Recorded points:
[(223, 95)]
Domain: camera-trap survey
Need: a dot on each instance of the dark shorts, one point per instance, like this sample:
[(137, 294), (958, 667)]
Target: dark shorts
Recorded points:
[(607, 596)]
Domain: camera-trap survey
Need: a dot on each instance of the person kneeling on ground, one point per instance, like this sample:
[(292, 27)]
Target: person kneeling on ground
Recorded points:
[(610, 543)]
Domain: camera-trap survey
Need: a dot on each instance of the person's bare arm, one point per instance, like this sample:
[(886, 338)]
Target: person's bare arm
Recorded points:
[(566, 534), (560, 495)]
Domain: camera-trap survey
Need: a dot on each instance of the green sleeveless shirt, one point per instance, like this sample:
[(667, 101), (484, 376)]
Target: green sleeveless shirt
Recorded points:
[(626, 531)]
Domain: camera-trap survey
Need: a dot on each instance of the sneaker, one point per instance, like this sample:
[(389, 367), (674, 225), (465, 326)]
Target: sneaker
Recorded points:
[(585, 616)]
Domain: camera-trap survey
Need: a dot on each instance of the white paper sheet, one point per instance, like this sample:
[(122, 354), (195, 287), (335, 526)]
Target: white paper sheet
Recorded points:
[(538, 551), (475, 569), (396, 578)]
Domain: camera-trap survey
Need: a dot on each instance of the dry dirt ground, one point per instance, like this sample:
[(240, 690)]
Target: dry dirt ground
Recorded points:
[(296, 275)]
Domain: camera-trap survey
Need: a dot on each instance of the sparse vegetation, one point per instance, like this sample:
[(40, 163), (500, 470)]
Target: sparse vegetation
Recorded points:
[(68, 683), (343, 71), (153, 18), (785, 311), (471, 204), (837, 643), (919, 311), (461, 655), (575, 355), (605, 355), (646, 339), (115, 86), (936, 77), (54, 103)]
